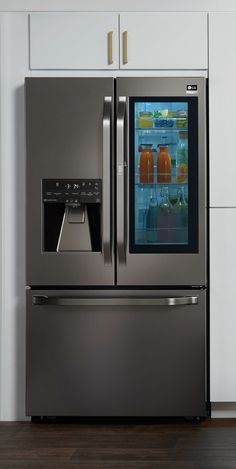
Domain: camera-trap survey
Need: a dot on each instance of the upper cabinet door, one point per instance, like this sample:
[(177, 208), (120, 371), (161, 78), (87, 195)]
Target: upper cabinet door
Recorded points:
[(222, 104), (163, 40), (74, 41)]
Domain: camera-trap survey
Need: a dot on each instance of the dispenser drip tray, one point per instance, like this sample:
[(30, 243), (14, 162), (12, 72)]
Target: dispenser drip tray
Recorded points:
[(75, 232)]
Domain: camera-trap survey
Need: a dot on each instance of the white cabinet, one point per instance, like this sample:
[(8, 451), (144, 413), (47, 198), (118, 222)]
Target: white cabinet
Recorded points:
[(74, 41), (223, 304), (158, 40), (90, 41), (222, 109)]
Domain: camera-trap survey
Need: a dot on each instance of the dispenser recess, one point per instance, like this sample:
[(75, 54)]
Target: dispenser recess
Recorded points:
[(72, 215)]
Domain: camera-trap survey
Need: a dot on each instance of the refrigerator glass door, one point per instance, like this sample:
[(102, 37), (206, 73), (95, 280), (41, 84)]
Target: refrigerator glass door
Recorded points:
[(163, 175), (163, 158), (69, 181)]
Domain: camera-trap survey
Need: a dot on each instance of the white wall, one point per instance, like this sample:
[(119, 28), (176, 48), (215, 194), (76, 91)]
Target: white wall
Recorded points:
[(117, 5), (13, 68)]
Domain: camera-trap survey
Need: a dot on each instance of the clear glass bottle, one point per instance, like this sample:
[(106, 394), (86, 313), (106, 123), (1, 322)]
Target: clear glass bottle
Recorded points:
[(141, 212), (151, 220), (182, 158), (181, 217), (165, 218)]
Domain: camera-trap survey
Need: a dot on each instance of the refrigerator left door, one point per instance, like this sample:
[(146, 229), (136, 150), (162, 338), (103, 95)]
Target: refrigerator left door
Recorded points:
[(69, 181)]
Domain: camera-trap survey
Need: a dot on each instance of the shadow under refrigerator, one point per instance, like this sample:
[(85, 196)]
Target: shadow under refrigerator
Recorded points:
[(116, 247)]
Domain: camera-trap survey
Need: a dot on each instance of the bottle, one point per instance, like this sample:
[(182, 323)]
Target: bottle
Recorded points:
[(151, 220), (165, 218), (146, 165), (181, 218), (182, 158), (163, 165), (141, 205)]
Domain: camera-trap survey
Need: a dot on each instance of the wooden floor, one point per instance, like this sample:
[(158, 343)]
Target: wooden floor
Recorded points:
[(101, 445)]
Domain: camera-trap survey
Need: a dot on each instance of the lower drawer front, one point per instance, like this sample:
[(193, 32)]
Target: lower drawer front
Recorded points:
[(99, 358)]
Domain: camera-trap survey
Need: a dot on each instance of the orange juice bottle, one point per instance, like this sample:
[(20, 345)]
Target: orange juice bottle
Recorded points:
[(163, 165), (146, 166)]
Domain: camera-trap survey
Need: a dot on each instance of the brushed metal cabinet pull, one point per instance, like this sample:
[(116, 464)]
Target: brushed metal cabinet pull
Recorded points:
[(125, 47), (110, 47)]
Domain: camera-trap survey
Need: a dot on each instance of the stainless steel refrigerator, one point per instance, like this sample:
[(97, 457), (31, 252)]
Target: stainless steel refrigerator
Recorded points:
[(116, 247)]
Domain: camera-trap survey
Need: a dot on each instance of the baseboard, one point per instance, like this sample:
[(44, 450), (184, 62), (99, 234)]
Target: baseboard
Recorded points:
[(221, 410)]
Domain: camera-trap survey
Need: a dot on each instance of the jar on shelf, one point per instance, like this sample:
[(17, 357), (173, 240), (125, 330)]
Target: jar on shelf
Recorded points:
[(146, 167), (182, 158), (145, 120), (164, 165)]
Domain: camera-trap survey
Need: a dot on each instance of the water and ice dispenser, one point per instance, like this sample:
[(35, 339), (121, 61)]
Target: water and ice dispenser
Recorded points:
[(71, 215)]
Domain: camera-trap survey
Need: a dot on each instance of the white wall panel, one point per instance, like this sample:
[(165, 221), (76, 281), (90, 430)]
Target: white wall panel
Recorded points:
[(223, 304), (13, 68)]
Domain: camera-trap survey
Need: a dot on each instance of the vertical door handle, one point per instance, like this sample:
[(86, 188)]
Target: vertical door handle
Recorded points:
[(106, 182), (120, 180), (110, 47), (125, 47)]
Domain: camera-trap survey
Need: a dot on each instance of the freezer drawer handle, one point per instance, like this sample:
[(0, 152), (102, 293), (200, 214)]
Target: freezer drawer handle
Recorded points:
[(120, 181), (41, 300), (106, 185)]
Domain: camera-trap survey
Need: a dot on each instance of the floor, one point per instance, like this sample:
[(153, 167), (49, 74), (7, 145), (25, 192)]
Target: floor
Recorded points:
[(101, 445)]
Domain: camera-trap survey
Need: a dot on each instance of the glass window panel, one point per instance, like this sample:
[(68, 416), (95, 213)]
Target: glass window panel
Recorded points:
[(163, 175)]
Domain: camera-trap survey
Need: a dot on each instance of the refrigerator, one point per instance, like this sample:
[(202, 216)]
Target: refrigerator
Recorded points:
[(116, 247)]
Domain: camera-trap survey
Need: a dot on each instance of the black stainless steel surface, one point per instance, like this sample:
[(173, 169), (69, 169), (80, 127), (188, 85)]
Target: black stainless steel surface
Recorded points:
[(131, 355), (69, 126), (93, 348)]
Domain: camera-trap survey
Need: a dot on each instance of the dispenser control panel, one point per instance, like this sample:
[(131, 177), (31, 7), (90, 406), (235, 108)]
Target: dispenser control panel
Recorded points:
[(72, 191)]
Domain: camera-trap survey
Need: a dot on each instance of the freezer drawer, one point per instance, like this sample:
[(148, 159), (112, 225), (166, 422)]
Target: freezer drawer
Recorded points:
[(116, 353)]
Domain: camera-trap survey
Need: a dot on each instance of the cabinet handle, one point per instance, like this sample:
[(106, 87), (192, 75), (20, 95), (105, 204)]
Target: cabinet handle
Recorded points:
[(110, 48), (125, 47)]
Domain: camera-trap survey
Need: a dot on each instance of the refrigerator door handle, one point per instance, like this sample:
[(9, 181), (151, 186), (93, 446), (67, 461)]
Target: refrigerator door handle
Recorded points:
[(42, 300), (120, 180), (106, 186)]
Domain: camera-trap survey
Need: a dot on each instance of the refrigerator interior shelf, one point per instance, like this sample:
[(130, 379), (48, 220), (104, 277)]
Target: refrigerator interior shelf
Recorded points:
[(151, 130), (154, 184)]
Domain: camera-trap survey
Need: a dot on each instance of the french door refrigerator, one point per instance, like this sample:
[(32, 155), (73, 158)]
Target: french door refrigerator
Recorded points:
[(116, 247)]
